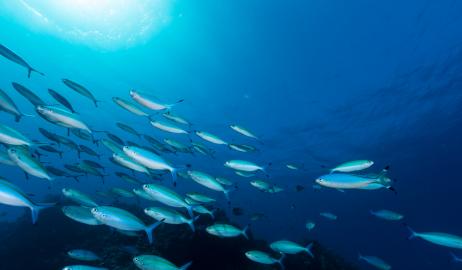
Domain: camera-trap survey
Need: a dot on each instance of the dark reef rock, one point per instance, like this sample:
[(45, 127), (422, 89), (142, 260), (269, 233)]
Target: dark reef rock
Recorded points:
[(43, 246)]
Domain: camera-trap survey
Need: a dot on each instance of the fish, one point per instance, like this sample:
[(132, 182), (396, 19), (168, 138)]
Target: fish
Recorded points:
[(81, 90), (264, 258), (353, 166), (81, 214), (83, 267), (203, 210), (208, 181), (127, 178), (386, 214), (5, 159), (149, 159), (13, 57), (87, 168), (224, 181), (175, 118), (328, 215), (93, 164), (74, 168), (375, 261), (128, 129), (57, 172), (125, 161), (243, 131), (289, 247), (167, 196), (200, 197), (23, 159), (151, 262), (225, 230), (12, 195), (169, 216), (83, 255), (242, 148), (28, 94), (8, 105), (265, 186), (83, 135), (88, 151), (438, 238), (58, 97), (348, 181), (150, 101), (123, 220), (210, 137), (114, 147), (178, 146), (51, 149), (129, 106), (11, 136), (79, 197), (244, 174), (143, 194), (122, 192), (310, 225), (455, 258), (202, 149), (62, 117), (168, 127), (292, 167), (244, 166)]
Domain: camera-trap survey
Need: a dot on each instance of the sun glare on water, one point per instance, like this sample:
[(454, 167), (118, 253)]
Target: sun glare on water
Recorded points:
[(104, 24)]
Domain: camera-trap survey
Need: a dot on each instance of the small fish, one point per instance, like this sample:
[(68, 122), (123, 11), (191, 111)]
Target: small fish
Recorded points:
[(310, 225), (226, 230), (244, 174), (264, 258), (83, 255), (58, 97), (167, 196), (202, 210), (51, 149), (11, 136), (289, 247), (79, 197), (14, 196), (151, 102), (168, 127), (265, 186), (128, 129), (129, 106), (24, 160), (169, 216), (292, 167), (7, 105), (81, 90), (13, 57), (83, 267), (202, 149), (143, 194), (375, 261), (83, 135), (200, 197), (62, 117), (88, 151), (122, 192), (243, 165), (210, 137), (348, 181), (175, 118), (353, 166), (93, 164), (151, 262), (386, 214), (5, 159), (114, 147), (28, 94), (208, 181), (245, 148), (57, 172), (81, 214), (123, 220), (178, 146), (125, 161), (243, 131), (442, 239), (224, 181), (455, 258), (328, 215)]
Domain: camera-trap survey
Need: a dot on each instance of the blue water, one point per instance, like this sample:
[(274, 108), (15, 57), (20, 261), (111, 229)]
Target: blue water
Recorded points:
[(321, 82)]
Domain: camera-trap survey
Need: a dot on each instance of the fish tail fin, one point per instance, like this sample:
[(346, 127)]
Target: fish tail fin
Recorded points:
[(190, 211), (191, 224), (150, 229), (30, 70), (96, 101), (186, 266), (244, 232), (308, 249), (226, 192), (280, 261), (35, 210), (413, 234), (174, 175), (212, 213)]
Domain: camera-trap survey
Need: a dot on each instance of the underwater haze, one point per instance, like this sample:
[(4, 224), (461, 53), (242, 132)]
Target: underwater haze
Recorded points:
[(336, 125)]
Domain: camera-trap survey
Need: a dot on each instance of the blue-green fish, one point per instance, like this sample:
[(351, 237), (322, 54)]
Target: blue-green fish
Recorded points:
[(169, 216), (243, 165), (175, 118), (348, 181), (168, 127), (125, 161), (375, 261), (62, 117), (352, 166), (243, 131), (196, 196), (328, 215), (438, 238), (263, 257), (14, 196), (386, 214), (79, 197), (208, 181), (83, 255), (81, 214), (310, 225), (150, 101), (8, 105), (123, 220), (83, 267), (11, 136), (289, 247), (151, 262), (81, 90), (167, 196), (13, 57), (129, 106), (23, 159), (226, 230), (210, 137)]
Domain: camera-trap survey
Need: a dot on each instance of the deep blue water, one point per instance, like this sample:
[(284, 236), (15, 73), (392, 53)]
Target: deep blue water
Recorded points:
[(322, 82)]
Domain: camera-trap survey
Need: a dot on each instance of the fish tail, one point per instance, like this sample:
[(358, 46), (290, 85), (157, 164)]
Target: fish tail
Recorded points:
[(308, 249), (174, 175), (412, 232), (280, 261), (35, 210), (226, 192), (186, 266), (244, 232), (190, 211), (149, 230), (212, 213), (191, 224)]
